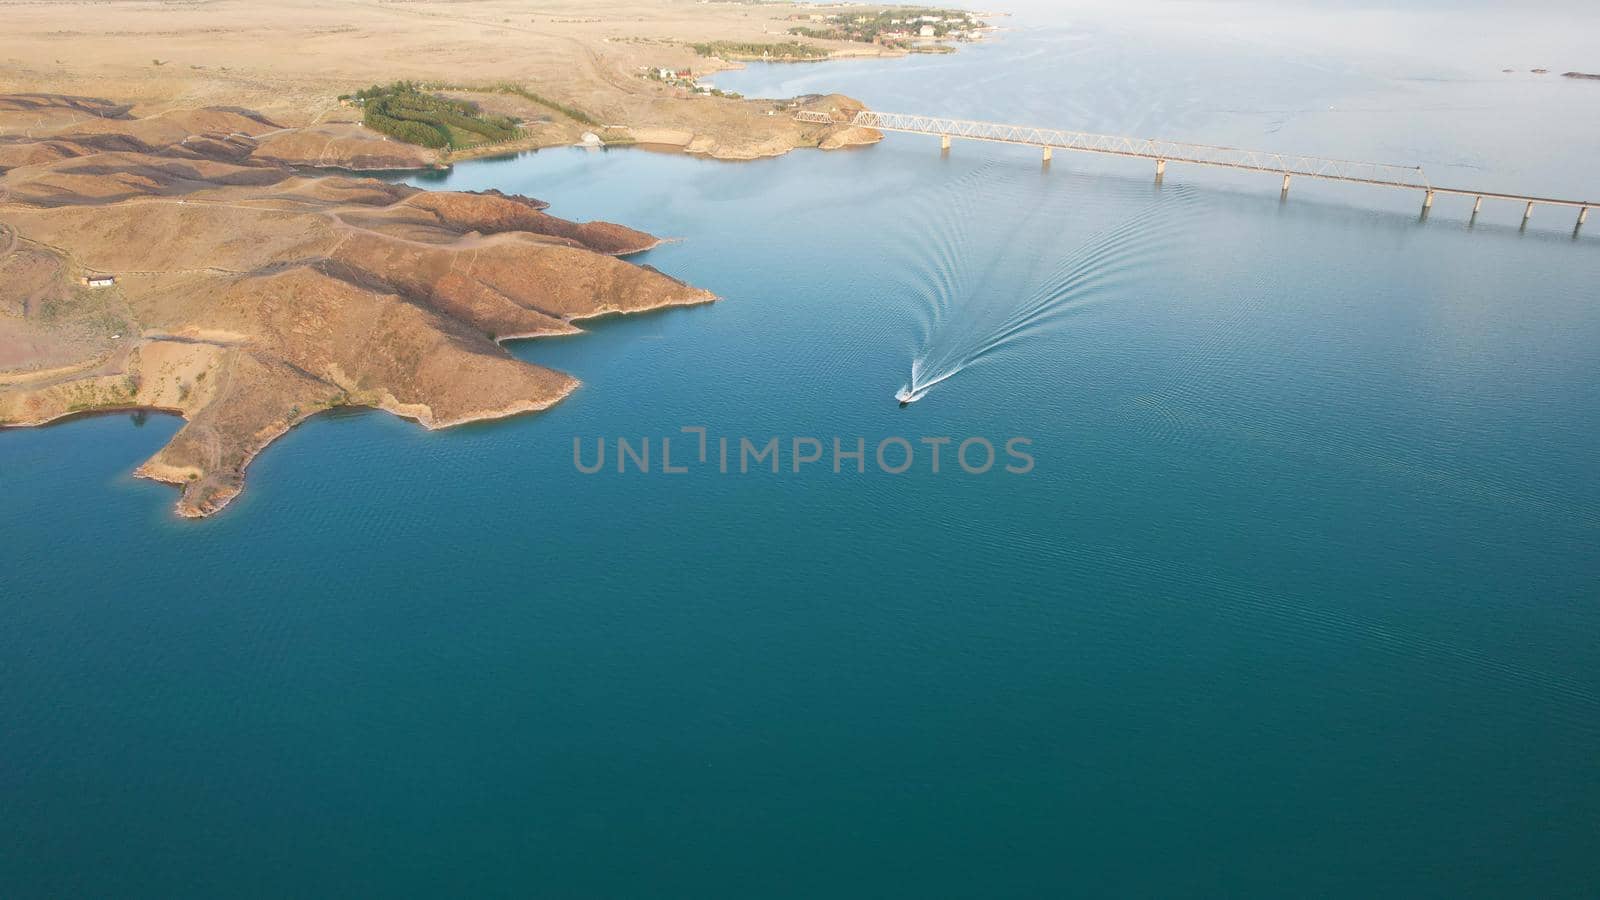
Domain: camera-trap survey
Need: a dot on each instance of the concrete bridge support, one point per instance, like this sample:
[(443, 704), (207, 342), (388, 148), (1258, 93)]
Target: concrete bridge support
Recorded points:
[(1583, 216), (1407, 178), (1285, 184)]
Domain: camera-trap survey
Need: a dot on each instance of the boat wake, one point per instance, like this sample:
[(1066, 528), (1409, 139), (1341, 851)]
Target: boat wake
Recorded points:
[(918, 386), (985, 292)]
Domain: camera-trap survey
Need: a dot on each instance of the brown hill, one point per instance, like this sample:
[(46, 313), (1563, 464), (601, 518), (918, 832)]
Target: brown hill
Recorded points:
[(248, 297)]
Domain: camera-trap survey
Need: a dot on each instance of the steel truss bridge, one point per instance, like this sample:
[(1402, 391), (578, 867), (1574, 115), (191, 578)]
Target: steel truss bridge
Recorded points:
[(1163, 151)]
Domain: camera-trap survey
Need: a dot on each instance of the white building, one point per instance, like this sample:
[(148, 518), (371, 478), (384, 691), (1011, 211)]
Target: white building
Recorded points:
[(926, 31), (100, 281)]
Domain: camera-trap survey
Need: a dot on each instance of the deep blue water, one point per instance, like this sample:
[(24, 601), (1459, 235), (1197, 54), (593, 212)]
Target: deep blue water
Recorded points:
[(1299, 598)]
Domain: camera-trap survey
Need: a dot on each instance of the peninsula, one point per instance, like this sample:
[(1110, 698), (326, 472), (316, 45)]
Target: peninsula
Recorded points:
[(182, 228)]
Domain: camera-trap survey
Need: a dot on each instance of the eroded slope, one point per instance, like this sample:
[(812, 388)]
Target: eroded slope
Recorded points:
[(248, 297)]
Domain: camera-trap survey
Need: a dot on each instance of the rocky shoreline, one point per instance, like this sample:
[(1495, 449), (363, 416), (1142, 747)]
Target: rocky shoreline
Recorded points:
[(269, 295), (204, 244)]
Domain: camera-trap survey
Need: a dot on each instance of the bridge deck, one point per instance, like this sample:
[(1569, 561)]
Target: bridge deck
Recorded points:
[(1163, 151)]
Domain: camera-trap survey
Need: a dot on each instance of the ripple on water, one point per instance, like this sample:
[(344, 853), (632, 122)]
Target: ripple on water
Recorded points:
[(983, 291)]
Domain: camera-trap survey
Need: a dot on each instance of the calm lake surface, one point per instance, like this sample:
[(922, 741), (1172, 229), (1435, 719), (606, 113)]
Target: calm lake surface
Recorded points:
[(1300, 597)]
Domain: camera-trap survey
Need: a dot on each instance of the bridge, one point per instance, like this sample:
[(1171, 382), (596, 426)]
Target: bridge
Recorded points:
[(1163, 151)]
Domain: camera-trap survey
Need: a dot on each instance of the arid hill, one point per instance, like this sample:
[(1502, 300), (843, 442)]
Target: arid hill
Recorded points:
[(175, 248), (246, 296), (562, 68)]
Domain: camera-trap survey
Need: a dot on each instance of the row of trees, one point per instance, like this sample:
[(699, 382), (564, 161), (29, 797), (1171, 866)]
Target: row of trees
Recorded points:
[(740, 50), (405, 112), (571, 112)]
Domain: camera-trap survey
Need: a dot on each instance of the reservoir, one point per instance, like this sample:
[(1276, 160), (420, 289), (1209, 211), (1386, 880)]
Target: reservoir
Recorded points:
[(1299, 591)]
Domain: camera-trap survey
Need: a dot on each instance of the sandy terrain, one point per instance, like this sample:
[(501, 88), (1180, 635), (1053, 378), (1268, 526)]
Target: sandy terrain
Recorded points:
[(291, 60)]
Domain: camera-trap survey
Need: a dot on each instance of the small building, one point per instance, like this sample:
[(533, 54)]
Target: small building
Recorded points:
[(926, 31), (100, 281)]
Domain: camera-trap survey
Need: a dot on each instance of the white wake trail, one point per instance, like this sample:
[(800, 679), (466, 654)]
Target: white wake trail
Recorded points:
[(1102, 266)]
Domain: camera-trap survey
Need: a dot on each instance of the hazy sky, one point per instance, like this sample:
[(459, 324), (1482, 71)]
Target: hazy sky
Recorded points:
[(1556, 34)]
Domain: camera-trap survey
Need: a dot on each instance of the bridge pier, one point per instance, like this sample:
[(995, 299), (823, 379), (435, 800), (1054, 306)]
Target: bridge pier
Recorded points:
[(1046, 140)]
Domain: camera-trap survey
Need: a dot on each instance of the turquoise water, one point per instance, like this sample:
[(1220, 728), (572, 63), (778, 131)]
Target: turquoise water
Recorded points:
[(1299, 598)]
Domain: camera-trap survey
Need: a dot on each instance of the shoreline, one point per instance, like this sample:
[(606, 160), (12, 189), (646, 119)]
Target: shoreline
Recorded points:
[(179, 477), (334, 300), (338, 302)]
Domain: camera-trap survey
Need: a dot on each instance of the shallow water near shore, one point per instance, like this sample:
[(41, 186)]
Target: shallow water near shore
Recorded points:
[(1300, 592)]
